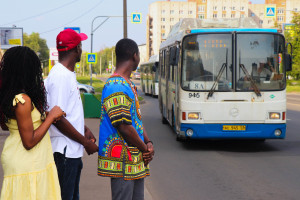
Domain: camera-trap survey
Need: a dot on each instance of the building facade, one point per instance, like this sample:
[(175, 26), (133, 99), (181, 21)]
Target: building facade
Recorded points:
[(162, 16)]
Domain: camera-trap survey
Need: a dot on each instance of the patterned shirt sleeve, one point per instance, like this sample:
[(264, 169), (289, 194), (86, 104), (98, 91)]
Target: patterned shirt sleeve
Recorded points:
[(117, 106)]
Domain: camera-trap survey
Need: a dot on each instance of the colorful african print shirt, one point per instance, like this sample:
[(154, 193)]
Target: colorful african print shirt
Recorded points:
[(119, 104)]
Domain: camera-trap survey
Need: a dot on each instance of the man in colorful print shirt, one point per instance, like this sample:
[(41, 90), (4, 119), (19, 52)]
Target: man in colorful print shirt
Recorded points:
[(124, 147)]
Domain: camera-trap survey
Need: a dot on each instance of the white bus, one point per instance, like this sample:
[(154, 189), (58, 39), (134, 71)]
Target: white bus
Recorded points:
[(149, 76), (224, 83)]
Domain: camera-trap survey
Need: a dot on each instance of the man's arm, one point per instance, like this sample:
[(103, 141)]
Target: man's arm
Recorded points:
[(131, 136), (65, 127), (148, 156)]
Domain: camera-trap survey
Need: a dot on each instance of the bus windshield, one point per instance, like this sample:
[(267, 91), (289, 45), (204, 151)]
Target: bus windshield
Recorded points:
[(207, 60), (261, 56), (203, 58)]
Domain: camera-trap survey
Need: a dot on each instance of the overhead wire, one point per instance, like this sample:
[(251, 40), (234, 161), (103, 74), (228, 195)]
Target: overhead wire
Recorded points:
[(73, 19), (40, 14)]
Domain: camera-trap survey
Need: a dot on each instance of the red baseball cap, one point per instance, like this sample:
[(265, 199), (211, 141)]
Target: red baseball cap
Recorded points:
[(69, 39)]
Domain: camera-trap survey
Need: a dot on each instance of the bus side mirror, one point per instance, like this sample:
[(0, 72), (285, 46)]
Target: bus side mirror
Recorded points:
[(288, 62)]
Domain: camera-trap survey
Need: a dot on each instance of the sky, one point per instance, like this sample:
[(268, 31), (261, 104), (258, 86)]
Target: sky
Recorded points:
[(48, 18)]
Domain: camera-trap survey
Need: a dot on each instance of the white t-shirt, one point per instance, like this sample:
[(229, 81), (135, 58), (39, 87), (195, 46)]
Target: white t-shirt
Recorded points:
[(62, 90)]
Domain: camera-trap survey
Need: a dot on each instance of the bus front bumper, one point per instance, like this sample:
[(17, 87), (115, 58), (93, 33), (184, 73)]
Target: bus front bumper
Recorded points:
[(232, 131)]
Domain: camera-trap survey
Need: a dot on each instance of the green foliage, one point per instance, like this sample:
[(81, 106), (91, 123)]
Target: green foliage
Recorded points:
[(104, 55), (38, 45), (294, 38)]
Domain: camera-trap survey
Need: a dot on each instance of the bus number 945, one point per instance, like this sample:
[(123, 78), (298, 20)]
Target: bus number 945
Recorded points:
[(194, 95)]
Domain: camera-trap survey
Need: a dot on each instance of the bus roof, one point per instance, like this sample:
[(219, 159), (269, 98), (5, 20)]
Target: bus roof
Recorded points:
[(205, 30), (179, 29)]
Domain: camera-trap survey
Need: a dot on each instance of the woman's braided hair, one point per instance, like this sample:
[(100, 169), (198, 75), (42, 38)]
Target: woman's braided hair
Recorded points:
[(20, 72)]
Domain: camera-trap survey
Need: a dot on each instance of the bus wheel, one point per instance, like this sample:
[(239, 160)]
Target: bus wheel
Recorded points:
[(180, 139), (163, 120)]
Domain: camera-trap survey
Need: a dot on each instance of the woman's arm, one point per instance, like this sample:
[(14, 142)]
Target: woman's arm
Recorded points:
[(29, 136)]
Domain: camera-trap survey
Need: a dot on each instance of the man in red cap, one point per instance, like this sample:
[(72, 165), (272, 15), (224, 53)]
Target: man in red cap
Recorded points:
[(69, 136)]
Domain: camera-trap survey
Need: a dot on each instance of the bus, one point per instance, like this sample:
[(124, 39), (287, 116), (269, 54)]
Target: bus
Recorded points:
[(224, 83), (149, 76)]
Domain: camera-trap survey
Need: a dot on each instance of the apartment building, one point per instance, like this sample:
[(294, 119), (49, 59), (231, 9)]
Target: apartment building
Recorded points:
[(216, 9), (162, 16), (284, 10)]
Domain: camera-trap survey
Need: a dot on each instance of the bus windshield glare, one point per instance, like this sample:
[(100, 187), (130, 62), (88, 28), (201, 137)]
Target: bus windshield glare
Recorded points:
[(207, 58)]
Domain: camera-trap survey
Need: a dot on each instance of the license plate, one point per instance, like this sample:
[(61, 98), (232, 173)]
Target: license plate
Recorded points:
[(234, 127)]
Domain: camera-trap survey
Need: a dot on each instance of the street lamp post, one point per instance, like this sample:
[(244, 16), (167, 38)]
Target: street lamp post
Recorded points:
[(93, 30)]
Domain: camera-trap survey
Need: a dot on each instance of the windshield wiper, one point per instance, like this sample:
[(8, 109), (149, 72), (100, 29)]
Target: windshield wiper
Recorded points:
[(213, 88), (255, 88)]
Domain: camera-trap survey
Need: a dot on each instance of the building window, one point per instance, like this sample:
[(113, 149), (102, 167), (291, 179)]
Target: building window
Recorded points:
[(215, 15), (190, 12), (201, 16), (232, 15), (163, 26), (163, 35), (280, 11), (269, 21), (203, 1), (163, 19), (181, 12), (295, 9), (242, 15), (252, 14), (163, 11), (215, 8), (261, 21), (171, 19), (201, 8), (242, 8), (280, 18), (232, 8), (224, 8), (171, 12), (223, 15)]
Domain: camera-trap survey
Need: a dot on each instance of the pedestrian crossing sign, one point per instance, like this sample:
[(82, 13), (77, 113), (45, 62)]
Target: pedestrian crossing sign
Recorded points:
[(136, 18), (91, 58), (270, 11)]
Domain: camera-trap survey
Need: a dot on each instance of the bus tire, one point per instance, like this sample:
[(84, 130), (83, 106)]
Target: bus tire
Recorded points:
[(163, 120), (180, 139)]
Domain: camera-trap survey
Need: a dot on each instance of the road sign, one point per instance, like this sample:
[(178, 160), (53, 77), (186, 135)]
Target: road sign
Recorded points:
[(136, 18), (91, 58), (77, 29), (270, 11)]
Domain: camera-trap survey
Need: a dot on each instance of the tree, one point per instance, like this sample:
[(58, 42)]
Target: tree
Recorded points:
[(294, 38), (38, 45)]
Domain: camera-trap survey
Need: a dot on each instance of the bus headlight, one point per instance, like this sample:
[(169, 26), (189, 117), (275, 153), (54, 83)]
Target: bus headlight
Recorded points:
[(277, 132), (274, 115), (189, 132), (193, 115)]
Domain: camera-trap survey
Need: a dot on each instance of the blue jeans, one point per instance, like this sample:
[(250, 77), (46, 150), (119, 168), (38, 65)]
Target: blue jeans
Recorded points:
[(69, 170)]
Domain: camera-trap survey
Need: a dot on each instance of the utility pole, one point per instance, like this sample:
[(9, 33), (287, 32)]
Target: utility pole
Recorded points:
[(112, 59), (125, 18), (100, 65)]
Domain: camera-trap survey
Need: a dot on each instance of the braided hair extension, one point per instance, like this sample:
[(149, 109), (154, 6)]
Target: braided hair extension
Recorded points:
[(20, 72)]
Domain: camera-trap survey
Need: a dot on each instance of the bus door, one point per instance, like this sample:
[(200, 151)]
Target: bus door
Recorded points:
[(162, 83), (171, 84)]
